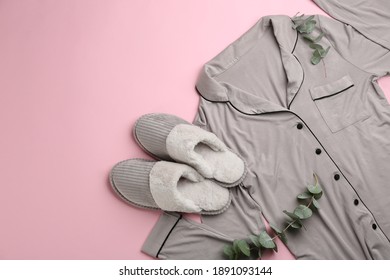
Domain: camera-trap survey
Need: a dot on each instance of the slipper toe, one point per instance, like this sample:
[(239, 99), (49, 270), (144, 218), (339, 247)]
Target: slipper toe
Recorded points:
[(151, 130), (130, 180)]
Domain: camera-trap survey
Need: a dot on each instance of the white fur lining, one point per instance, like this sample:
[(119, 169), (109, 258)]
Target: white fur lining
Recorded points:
[(205, 152), (178, 187)]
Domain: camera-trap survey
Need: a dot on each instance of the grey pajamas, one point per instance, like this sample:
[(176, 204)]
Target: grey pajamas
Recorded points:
[(290, 119)]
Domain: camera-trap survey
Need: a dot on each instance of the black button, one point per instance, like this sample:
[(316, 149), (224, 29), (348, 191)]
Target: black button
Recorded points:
[(356, 201), (336, 177), (374, 226), (299, 125), (318, 151)]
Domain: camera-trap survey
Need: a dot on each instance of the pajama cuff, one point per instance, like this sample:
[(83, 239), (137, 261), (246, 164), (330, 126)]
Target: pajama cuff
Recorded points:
[(160, 233)]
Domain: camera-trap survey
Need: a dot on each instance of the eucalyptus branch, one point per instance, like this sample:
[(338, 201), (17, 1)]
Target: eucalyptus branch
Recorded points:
[(258, 243), (306, 27)]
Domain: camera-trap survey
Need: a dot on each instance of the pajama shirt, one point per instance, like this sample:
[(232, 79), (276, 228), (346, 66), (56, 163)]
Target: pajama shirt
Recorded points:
[(289, 119)]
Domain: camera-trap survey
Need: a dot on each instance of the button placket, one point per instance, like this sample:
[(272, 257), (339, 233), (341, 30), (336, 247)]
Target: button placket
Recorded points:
[(337, 177), (356, 201)]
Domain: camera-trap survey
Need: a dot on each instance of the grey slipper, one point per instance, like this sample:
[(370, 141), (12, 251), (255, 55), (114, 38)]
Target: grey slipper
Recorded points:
[(171, 138), (168, 186)]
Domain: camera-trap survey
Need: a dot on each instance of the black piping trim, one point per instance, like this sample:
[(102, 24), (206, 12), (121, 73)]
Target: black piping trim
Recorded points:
[(340, 91), (296, 41), (220, 102), (303, 79), (198, 91), (338, 168), (166, 238), (292, 52)]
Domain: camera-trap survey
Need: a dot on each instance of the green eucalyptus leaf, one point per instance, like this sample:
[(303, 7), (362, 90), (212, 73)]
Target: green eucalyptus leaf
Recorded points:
[(266, 240), (303, 212), (316, 47), (318, 196), (317, 53), (316, 204), (254, 240), (304, 195), (308, 27), (275, 229), (228, 251), (296, 224), (309, 19), (315, 59), (254, 254), (309, 38), (283, 237), (235, 246), (302, 28), (299, 21), (291, 215), (276, 248), (316, 189), (244, 247)]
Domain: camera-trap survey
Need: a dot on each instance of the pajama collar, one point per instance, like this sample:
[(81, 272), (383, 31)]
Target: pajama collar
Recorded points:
[(286, 37)]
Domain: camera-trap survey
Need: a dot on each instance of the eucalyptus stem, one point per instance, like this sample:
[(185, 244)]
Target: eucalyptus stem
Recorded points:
[(311, 201), (286, 228), (289, 225), (294, 221), (262, 241)]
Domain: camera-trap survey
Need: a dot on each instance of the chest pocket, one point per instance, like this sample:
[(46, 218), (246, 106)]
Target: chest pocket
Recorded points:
[(339, 103)]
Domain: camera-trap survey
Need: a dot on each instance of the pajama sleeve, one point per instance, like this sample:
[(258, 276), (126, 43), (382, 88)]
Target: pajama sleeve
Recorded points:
[(370, 17), (362, 51)]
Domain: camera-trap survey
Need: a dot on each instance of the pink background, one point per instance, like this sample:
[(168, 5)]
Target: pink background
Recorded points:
[(74, 76)]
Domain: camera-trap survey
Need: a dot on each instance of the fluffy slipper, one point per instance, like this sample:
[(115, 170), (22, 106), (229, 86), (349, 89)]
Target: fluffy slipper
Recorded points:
[(168, 186), (171, 138)]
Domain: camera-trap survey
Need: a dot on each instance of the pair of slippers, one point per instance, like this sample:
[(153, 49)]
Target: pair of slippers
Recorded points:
[(194, 172)]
